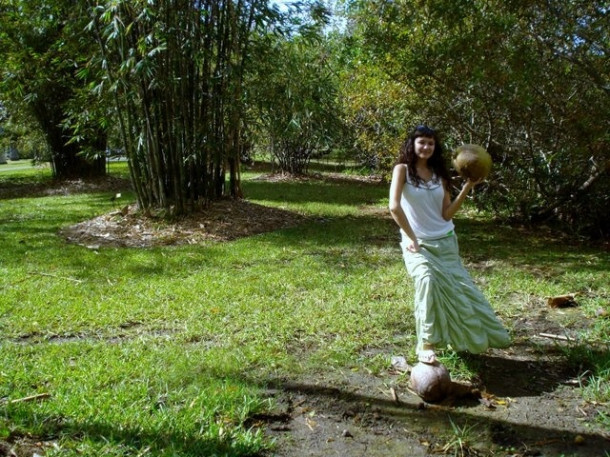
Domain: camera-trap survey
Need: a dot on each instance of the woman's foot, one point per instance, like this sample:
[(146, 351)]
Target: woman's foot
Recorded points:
[(427, 356)]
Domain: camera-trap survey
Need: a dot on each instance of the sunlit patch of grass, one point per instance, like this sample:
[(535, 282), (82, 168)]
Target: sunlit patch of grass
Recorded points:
[(15, 171), (462, 366), (144, 393), (597, 387), (460, 442)]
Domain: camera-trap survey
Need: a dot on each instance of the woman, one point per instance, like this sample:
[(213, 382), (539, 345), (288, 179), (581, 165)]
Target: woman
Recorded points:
[(449, 308)]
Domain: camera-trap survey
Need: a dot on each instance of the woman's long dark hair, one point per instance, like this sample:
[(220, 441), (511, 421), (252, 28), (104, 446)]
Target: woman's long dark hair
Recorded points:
[(436, 161)]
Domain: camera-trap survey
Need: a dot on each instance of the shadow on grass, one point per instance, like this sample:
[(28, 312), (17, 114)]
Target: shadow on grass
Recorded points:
[(328, 191), (315, 166), (134, 441), (436, 423), (340, 242), (48, 187), (356, 405), (481, 241), (538, 252)]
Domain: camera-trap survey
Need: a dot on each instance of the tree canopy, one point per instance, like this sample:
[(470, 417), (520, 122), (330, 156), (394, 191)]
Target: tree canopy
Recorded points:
[(42, 47), (528, 80), (193, 87), (294, 102)]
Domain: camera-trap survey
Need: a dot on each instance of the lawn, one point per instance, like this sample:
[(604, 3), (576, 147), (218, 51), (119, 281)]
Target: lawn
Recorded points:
[(166, 351)]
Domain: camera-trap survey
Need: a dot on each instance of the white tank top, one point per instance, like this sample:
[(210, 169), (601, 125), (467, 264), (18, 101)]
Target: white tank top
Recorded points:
[(423, 207)]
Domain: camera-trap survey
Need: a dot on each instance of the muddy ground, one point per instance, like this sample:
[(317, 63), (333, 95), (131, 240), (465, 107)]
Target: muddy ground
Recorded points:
[(529, 405), (528, 402)]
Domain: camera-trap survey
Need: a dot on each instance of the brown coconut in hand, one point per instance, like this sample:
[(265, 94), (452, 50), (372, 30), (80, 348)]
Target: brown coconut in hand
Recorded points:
[(472, 161)]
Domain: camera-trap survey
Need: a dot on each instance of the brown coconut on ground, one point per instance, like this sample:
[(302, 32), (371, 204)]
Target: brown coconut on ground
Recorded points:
[(432, 382)]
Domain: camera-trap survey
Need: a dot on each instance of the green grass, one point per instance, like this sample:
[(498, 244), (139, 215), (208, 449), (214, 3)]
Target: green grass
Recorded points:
[(13, 166), (164, 351)]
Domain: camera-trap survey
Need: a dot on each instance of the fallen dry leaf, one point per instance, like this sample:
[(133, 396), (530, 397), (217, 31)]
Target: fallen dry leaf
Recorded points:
[(487, 402), (562, 301), (310, 423)]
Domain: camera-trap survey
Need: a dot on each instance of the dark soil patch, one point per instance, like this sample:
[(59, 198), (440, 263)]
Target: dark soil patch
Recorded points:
[(530, 406), (223, 220), (14, 189), (22, 445)]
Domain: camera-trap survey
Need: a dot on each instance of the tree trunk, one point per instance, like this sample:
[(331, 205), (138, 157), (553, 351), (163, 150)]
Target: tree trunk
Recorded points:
[(66, 160)]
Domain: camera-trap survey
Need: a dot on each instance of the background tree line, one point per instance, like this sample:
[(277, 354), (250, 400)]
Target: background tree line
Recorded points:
[(527, 79), (188, 89)]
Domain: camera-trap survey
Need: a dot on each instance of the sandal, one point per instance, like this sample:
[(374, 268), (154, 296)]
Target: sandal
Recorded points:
[(427, 356)]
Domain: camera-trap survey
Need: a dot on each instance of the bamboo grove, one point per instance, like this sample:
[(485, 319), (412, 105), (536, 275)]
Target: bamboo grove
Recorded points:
[(175, 72)]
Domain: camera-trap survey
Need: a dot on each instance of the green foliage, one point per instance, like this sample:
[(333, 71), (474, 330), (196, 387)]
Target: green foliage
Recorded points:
[(374, 107), (22, 133), (175, 71), (193, 91), (293, 101), (528, 80), (42, 48)]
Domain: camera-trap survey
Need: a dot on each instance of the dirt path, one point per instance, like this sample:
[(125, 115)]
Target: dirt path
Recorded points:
[(531, 406)]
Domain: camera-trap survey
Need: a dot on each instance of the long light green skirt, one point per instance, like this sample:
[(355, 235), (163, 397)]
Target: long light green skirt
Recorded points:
[(449, 308)]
